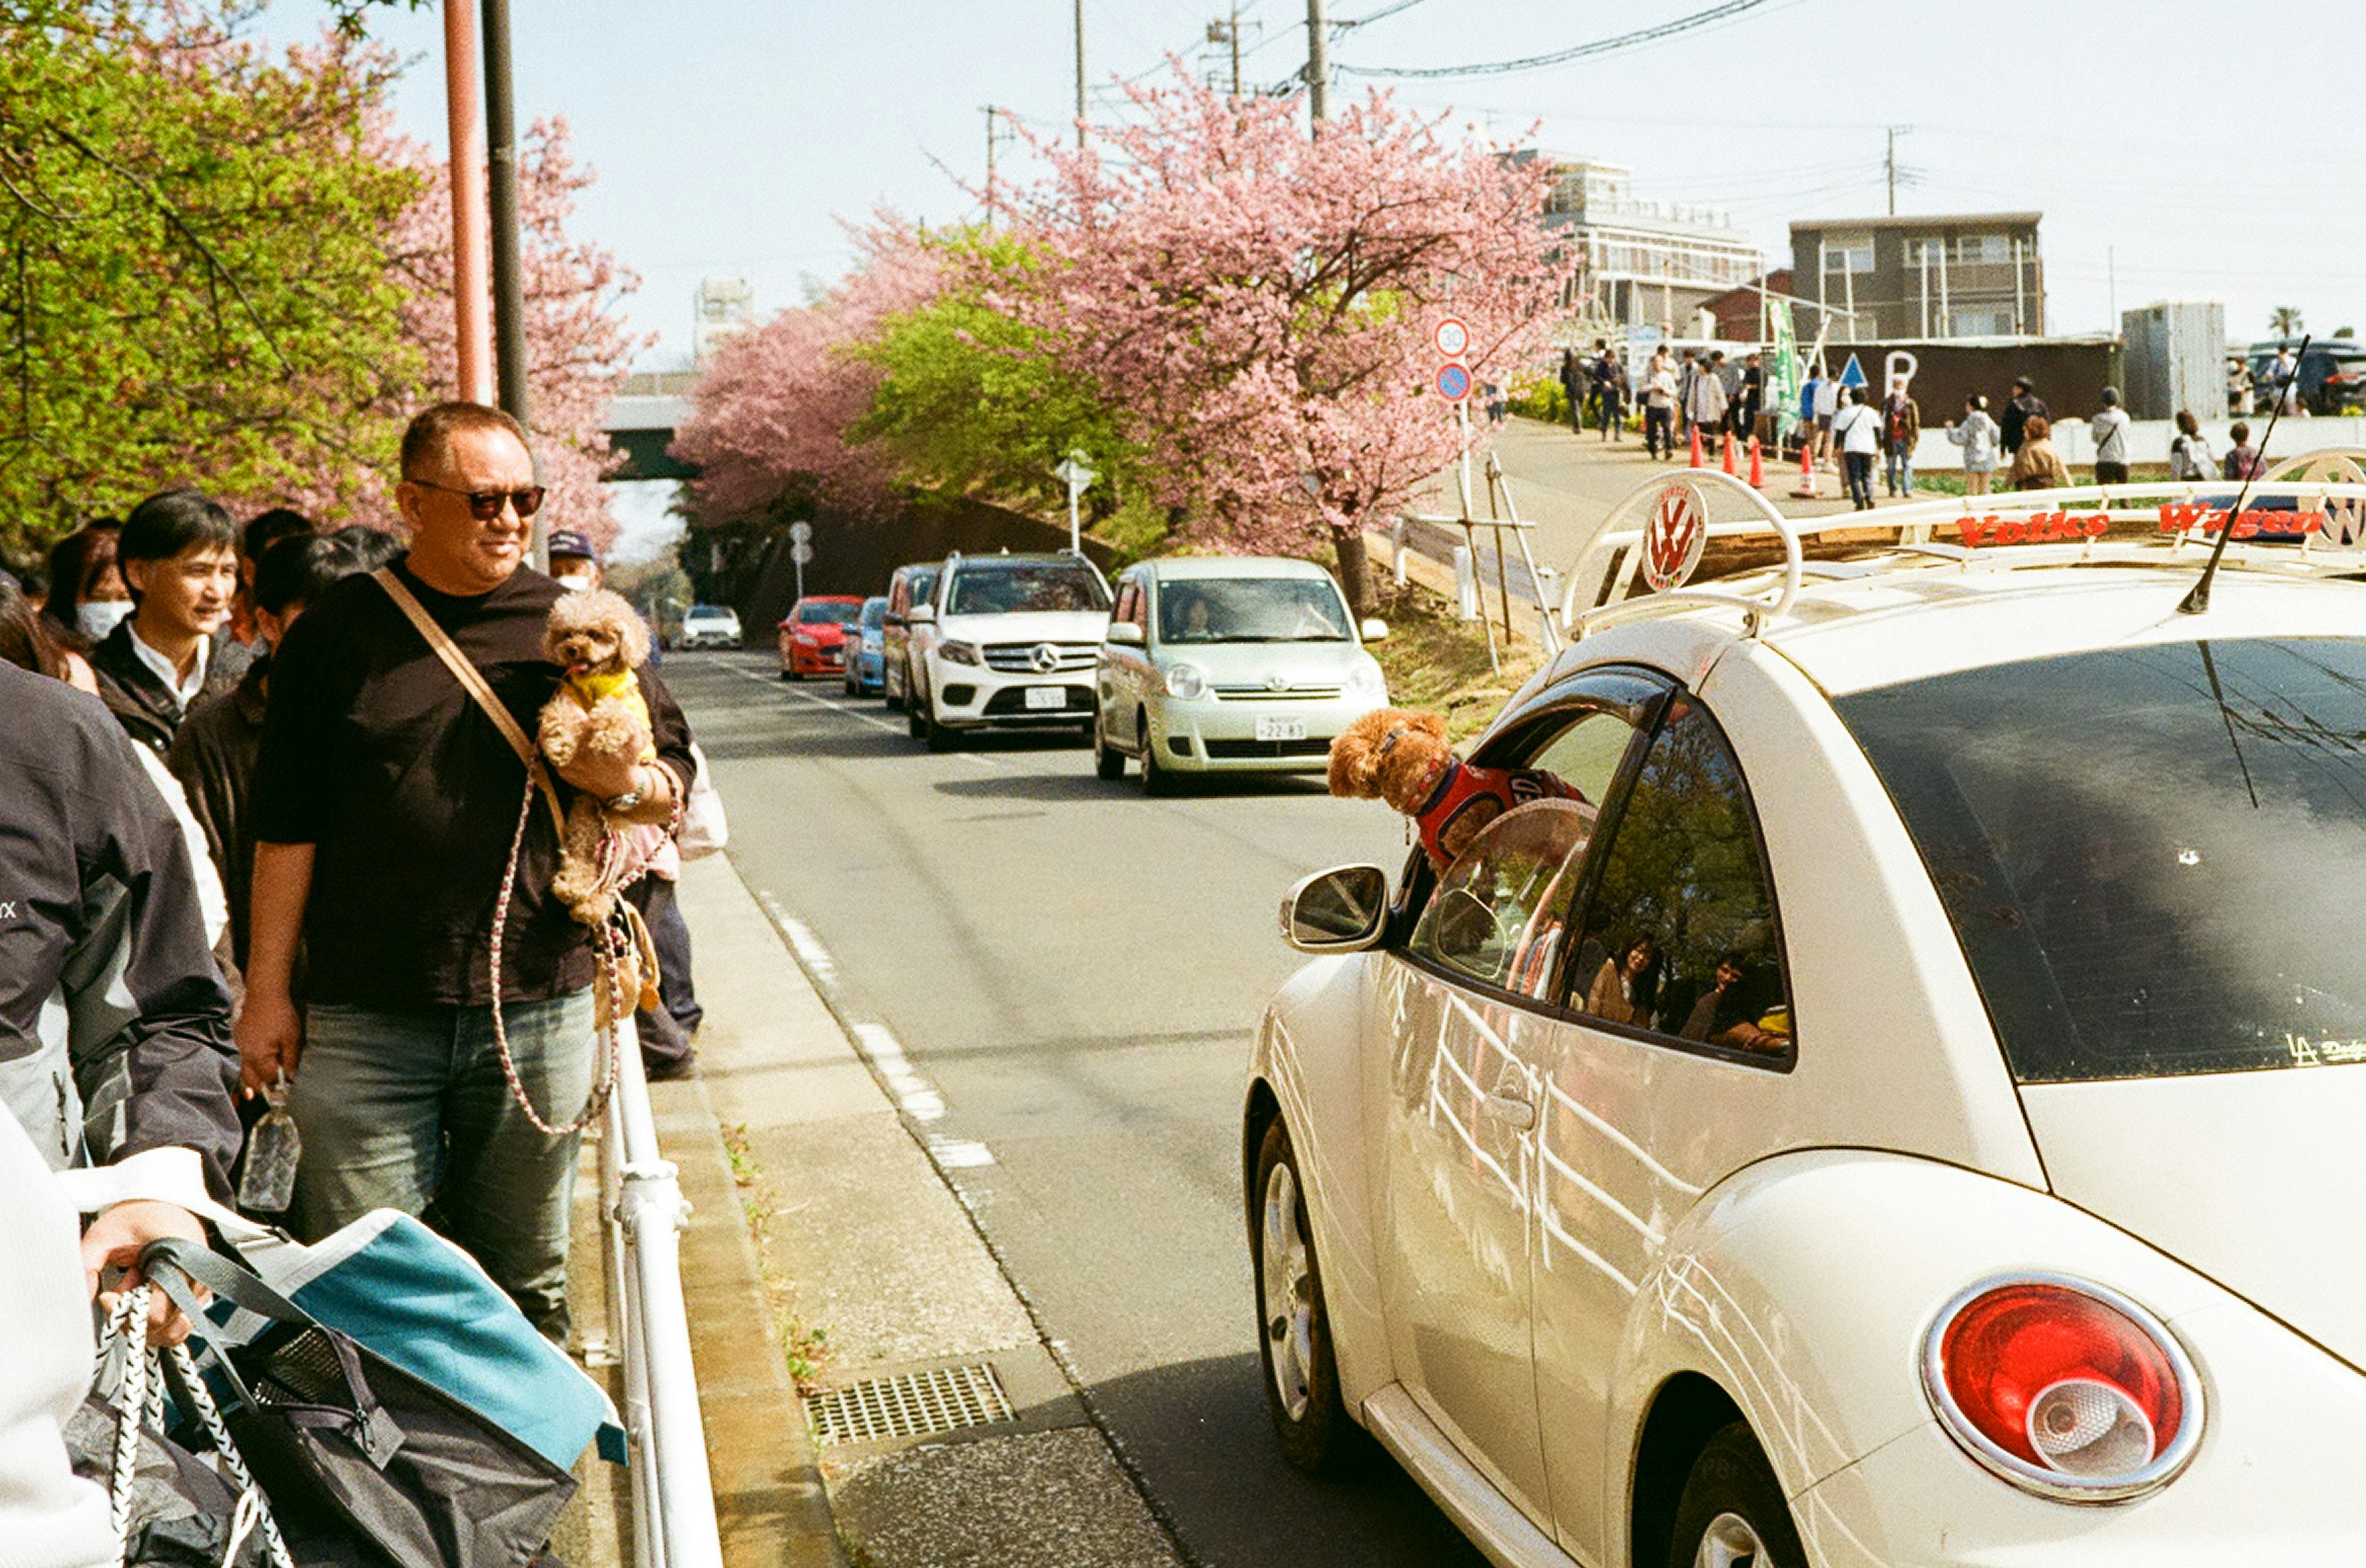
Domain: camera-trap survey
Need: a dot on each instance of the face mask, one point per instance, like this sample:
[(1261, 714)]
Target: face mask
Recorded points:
[(97, 617), (572, 582)]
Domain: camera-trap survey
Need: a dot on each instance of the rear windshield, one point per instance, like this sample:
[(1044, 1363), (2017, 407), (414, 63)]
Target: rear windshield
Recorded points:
[(874, 613), (825, 612), (2155, 858), (1028, 588), (1251, 609), (709, 612)]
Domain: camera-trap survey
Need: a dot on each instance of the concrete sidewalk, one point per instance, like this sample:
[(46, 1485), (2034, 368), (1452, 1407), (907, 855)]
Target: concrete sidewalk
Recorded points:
[(830, 1249)]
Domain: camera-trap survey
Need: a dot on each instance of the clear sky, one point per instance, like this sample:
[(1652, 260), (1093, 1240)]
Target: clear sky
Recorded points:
[(2194, 148)]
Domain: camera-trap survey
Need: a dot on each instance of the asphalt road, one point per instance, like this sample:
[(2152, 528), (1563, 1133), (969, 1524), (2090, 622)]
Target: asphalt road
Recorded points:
[(1078, 970)]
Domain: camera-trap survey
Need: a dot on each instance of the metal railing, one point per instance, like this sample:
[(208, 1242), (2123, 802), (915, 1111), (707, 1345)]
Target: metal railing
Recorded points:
[(642, 1214)]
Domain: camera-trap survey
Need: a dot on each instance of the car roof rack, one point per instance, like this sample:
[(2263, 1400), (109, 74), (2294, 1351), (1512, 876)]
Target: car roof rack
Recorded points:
[(1659, 529)]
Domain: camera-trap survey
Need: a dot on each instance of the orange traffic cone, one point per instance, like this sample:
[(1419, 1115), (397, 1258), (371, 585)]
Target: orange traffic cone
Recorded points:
[(1698, 462), (1728, 464), (1807, 487), (1757, 466)]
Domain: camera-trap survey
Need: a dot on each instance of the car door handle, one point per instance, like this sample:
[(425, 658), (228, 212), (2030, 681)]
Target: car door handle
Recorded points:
[(1509, 1109)]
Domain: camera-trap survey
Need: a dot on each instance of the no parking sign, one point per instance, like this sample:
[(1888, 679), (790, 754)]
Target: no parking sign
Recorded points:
[(1453, 383)]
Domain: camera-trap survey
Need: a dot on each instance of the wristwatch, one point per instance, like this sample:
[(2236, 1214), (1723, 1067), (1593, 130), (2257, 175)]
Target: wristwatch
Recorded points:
[(623, 802)]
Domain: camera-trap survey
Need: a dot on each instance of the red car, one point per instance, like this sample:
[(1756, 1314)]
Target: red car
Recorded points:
[(812, 637)]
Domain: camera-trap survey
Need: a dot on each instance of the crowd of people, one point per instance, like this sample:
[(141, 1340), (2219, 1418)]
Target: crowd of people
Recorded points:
[(256, 829)]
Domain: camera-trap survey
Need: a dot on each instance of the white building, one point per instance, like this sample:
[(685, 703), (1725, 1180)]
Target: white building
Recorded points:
[(721, 307), (1644, 263)]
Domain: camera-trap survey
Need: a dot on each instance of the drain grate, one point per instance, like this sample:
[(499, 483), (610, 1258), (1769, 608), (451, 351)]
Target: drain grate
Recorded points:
[(911, 1405)]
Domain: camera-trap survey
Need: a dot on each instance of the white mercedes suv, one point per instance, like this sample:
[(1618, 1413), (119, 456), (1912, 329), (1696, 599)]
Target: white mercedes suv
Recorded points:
[(1012, 643)]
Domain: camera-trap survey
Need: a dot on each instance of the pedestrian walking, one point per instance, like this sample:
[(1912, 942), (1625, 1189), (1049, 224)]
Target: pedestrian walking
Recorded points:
[(2036, 465), (2242, 461), (1748, 398), (1827, 409), (87, 596), (1612, 391), (2023, 406), (214, 754), (1659, 407), (2189, 453), (178, 554), (384, 804), (2109, 428), (1858, 430), (1573, 379), (1706, 404), (262, 530), (1901, 428), (1976, 433), (1810, 389), (1689, 374), (2238, 389)]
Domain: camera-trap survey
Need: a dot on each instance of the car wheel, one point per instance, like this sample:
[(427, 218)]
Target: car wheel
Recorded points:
[(1107, 763), (938, 737), (1731, 1511), (915, 725), (1302, 1374), (788, 673), (1155, 779)]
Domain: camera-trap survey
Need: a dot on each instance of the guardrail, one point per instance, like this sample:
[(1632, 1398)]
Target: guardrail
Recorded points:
[(642, 1213)]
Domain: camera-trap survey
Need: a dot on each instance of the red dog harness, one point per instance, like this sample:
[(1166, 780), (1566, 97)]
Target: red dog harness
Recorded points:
[(1462, 789)]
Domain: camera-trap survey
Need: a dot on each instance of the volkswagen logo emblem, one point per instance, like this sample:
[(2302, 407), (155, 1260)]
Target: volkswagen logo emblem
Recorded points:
[(1045, 658), (1276, 683)]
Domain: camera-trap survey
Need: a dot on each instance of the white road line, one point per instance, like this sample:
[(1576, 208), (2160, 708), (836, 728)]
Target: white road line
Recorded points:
[(809, 949), (960, 1154), (871, 719), (919, 1096)]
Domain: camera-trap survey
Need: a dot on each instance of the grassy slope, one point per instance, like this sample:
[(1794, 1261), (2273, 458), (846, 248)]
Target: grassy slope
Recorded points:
[(1434, 661)]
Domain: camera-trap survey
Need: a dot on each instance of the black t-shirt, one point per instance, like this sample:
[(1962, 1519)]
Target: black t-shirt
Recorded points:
[(374, 754)]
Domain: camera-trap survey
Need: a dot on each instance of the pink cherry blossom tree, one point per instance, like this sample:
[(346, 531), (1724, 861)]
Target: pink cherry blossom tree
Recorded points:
[(1258, 306), (775, 407)]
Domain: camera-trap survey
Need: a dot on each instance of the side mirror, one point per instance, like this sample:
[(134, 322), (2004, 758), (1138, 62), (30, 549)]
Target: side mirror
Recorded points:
[(920, 615), (1374, 629), (891, 621), (1340, 910), (1125, 634)]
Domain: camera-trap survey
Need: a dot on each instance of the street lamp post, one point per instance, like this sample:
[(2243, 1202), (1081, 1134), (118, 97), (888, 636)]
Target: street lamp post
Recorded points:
[(1073, 473)]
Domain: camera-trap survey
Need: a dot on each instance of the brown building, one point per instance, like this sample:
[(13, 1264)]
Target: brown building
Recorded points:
[(1926, 280)]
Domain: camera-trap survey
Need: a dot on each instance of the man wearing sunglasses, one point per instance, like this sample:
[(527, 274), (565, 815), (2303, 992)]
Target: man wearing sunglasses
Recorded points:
[(384, 804)]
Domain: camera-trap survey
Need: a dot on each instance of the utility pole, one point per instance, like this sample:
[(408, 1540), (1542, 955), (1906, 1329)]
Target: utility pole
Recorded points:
[(1889, 164), (1318, 62), (1080, 75), (472, 320), (990, 139), (1233, 35), (509, 275)]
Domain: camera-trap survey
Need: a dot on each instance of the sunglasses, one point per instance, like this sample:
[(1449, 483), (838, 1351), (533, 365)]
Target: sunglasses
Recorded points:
[(484, 505)]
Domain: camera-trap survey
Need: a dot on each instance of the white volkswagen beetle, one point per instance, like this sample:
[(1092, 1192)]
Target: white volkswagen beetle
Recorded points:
[(1908, 1110)]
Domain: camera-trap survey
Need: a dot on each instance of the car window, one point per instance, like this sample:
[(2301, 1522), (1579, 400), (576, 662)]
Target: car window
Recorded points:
[(827, 613), (2153, 857), (1500, 911), (1129, 599), (1025, 589), (1680, 934), (1251, 609)]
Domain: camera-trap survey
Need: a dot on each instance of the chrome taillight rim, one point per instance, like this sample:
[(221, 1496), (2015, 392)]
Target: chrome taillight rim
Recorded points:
[(2060, 1485)]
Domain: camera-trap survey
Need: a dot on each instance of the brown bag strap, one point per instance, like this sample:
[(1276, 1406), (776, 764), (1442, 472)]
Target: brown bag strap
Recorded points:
[(472, 680)]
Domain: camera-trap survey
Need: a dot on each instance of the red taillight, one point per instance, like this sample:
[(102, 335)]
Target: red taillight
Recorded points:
[(2058, 1385)]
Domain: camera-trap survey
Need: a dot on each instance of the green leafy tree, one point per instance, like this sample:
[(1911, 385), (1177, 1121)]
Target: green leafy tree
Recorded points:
[(194, 285), (969, 400)]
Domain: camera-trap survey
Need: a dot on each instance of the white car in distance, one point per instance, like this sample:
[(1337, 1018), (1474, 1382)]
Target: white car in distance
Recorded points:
[(1904, 1111), (1230, 664), (1007, 641)]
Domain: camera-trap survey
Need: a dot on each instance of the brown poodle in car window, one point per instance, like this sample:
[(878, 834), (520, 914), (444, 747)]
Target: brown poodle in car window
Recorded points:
[(597, 640), (1401, 756)]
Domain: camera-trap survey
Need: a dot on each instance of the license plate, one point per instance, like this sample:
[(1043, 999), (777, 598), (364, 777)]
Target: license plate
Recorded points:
[(1281, 730), (1047, 697)]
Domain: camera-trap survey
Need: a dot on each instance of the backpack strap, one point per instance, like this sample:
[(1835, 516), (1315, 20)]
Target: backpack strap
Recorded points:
[(472, 680)]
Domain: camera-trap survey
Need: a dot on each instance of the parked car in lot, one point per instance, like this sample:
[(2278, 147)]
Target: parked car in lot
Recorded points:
[(812, 634), (1904, 1110), (1229, 664), (2332, 377), (1012, 641), (900, 641), (866, 648), (710, 626)]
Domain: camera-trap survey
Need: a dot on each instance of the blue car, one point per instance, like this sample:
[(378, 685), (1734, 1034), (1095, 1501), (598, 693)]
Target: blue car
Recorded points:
[(866, 651)]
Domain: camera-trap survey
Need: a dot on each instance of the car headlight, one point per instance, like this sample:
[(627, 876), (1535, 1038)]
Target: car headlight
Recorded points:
[(1185, 680), (2063, 1388), (958, 652), (1365, 680)]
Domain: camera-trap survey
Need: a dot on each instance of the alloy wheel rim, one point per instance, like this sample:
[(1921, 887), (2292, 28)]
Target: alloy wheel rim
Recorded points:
[(1288, 1277), (1729, 1541)]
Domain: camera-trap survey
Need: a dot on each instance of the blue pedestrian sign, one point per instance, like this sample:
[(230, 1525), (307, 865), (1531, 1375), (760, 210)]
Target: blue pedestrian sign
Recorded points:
[(1453, 383), (1853, 374)]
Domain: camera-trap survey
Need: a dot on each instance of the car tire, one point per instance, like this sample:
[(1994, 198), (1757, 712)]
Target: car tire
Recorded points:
[(938, 737), (1301, 1372), (1108, 765), (1156, 781), (1731, 1510), (915, 725), (788, 673)]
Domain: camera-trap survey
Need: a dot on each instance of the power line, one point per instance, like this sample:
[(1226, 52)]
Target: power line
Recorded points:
[(1538, 62)]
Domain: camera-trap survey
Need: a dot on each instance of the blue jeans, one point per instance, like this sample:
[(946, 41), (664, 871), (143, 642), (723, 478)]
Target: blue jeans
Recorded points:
[(402, 1108), (1899, 472)]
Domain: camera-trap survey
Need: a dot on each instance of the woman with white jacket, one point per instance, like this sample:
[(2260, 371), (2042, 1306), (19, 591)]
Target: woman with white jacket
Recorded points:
[(1978, 435)]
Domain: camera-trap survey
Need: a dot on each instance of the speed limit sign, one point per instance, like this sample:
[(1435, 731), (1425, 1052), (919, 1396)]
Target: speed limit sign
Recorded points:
[(1453, 338)]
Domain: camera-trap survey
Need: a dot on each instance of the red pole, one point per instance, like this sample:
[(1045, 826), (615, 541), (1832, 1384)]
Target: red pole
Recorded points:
[(471, 295)]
